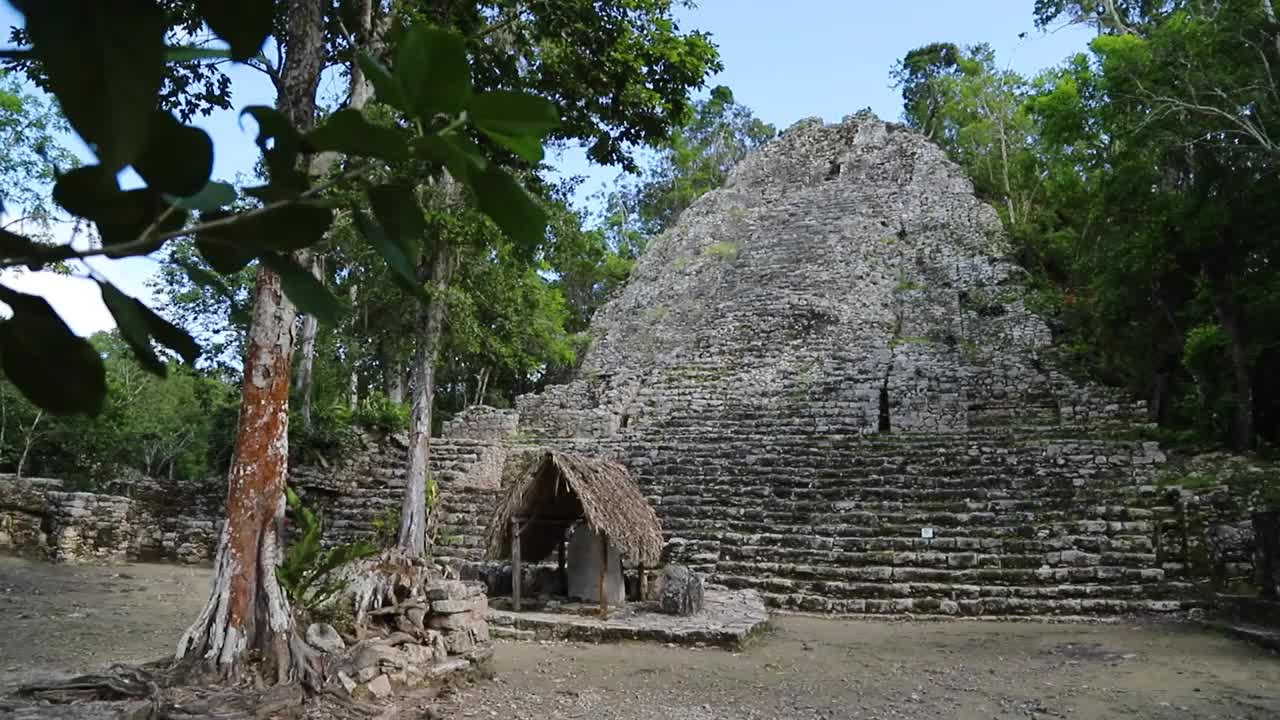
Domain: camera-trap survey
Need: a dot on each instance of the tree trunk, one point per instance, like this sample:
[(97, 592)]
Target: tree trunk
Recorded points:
[(247, 611), (1228, 311), (361, 93), (307, 348), (28, 441), (395, 381), (413, 513), (353, 377)]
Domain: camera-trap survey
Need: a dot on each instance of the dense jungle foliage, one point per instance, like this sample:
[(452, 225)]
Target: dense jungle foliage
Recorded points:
[(1137, 181)]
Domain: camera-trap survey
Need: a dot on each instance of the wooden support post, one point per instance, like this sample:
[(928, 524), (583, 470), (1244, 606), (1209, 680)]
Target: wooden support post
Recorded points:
[(517, 574), (643, 583), (564, 573), (604, 570)]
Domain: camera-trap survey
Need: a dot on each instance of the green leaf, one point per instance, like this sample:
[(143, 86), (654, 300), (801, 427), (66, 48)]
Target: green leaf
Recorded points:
[(91, 191), (432, 71), (272, 193), (170, 335), (517, 121), (229, 248), (204, 278), (152, 209), (53, 368), (280, 144), (528, 148), (458, 154), (211, 197), (398, 211), (14, 245), (139, 324), (226, 259), (500, 197), (178, 158), (219, 249), (244, 24), (304, 289), (121, 216), (133, 327), (292, 227), (184, 54), (105, 64), (386, 89), (390, 250), (348, 132)]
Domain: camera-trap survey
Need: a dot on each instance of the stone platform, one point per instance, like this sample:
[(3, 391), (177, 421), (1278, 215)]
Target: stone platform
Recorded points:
[(729, 619)]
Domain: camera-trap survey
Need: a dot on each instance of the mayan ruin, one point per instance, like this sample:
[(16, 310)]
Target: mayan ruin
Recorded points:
[(597, 359)]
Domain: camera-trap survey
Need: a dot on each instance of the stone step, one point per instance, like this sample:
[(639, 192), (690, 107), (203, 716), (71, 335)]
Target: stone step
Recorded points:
[(863, 581), (943, 604)]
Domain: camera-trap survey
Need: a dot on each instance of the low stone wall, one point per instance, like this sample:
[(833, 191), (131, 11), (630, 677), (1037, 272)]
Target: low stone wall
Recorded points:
[(24, 509), (87, 527), (154, 522), (481, 422), (1205, 535)]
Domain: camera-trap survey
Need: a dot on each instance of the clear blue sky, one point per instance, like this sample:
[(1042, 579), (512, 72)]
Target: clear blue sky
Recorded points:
[(787, 61)]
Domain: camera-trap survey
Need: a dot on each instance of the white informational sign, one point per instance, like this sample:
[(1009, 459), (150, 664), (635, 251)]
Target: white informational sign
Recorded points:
[(926, 533)]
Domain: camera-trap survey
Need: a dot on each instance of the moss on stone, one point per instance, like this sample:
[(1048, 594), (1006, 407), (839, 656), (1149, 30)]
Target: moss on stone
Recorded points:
[(722, 250)]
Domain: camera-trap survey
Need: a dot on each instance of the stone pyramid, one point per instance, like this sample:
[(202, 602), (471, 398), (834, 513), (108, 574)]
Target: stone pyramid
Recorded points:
[(827, 381)]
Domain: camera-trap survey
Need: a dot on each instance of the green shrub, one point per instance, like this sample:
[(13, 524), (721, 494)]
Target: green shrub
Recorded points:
[(386, 527), (306, 575), (378, 412)]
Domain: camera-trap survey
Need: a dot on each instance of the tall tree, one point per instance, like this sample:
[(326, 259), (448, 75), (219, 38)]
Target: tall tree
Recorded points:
[(106, 65), (247, 609), (621, 72), (31, 154), (922, 74), (1138, 182)]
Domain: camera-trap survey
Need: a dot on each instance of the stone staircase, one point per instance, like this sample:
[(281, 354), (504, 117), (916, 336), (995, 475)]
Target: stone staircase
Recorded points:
[(1017, 523)]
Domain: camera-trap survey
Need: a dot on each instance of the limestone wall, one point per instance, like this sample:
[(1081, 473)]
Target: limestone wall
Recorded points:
[(24, 507), (154, 522), (482, 423), (88, 527), (358, 493)]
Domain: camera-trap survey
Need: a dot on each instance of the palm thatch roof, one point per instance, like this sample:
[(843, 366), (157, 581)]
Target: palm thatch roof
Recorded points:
[(556, 489)]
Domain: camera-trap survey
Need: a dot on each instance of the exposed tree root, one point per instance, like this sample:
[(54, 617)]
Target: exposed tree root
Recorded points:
[(147, 693), (390, 580), (118, 682)]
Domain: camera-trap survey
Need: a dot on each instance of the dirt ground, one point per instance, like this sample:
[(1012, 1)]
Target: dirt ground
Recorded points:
[(56, 619)]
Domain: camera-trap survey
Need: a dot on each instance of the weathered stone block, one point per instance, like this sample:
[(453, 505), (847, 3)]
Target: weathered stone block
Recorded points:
[(324, 637), (682, 591)]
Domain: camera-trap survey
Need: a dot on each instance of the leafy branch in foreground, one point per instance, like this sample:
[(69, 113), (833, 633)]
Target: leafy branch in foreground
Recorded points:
[(106, 71)]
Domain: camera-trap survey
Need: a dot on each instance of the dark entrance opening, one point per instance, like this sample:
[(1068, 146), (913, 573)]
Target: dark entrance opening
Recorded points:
[(884, 409)]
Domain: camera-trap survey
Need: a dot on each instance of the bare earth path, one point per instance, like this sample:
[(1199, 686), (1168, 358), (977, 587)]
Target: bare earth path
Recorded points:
[(60, 619), (57, 618)]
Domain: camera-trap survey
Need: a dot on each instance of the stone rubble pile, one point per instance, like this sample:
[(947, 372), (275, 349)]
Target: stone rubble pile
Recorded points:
[(418, 641)]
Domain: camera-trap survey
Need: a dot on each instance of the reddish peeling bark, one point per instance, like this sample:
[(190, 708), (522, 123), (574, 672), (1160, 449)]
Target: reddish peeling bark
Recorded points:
[(247, 611)]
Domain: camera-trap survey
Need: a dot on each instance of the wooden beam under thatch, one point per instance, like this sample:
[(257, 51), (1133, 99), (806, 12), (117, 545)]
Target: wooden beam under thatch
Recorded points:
[(558, 488)]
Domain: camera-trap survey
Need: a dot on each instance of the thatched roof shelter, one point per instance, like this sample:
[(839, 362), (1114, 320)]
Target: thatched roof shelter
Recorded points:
[(555, 489)]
